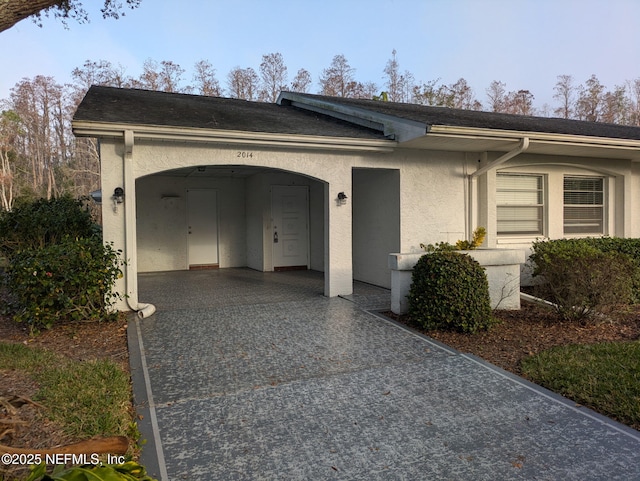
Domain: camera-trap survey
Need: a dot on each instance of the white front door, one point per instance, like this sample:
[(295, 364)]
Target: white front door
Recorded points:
[(290, 223), (202, 218)]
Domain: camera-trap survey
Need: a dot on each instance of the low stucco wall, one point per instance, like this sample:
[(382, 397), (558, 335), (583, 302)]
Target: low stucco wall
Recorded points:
[(502, 267)]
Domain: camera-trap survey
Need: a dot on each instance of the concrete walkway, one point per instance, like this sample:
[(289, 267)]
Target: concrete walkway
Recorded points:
[(249, 375)]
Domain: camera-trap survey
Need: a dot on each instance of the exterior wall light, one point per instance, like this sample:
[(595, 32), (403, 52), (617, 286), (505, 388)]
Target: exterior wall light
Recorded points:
[(342, 198), (118, 195), (117, 198)]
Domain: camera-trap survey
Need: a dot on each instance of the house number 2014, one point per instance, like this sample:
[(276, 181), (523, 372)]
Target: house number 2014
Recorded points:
[(244, 155)]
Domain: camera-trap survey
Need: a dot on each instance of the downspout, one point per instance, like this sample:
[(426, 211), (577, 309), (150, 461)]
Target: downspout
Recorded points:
[(131, 281), (524, 145)]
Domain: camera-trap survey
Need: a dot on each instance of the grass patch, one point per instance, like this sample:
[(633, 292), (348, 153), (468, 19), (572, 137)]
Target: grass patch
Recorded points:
[(88, 398), (604, 377)]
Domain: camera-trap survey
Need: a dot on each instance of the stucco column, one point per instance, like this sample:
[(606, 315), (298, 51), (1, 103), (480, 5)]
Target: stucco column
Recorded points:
[(113, 216), (338, 266)]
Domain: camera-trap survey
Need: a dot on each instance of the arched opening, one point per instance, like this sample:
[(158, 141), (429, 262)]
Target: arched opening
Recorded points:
[(214, 216)]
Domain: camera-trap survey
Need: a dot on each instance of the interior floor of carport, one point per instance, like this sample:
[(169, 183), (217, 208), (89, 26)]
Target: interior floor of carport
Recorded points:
[(256, 375)]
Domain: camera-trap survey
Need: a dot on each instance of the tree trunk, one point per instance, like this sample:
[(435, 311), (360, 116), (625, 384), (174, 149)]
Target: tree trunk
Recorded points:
[(12, 11)]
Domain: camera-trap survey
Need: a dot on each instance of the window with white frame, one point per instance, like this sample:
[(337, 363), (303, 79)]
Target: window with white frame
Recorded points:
[(583, 205), (520, 204)]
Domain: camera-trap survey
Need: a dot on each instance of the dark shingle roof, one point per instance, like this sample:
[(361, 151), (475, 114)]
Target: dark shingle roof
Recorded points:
[(487, 120), (144, 107)]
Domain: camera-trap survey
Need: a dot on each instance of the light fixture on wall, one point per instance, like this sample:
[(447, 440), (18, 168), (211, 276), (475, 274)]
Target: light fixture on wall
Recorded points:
[(117, 197), (342, 198)]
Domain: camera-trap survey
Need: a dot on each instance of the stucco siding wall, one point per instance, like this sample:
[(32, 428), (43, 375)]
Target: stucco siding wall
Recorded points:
[(376, 223), (162, 224), (432, 198), (162, 221), (255, 214)]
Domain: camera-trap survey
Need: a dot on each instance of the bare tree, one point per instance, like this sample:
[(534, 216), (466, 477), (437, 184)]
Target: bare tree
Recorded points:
[(170, 76), (461, 96), (149, 78), (399, 86), (12, 11), (633, 87), (273, 73), (616, 106), (497, 95), (243, 83), (9, 129), (205, 79), (589, 103), (394, 81), (564, 93), (520, 102), (359, 90), (302, 81), (337, 80), (430, 93), (45, 135)]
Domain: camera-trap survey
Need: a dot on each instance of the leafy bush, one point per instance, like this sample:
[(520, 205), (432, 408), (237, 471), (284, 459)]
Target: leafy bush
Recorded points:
[(581, 279), (129, 471), (450, 291), (70, 280), (34, 225), (620, 245), (461, 245), (58, 268)]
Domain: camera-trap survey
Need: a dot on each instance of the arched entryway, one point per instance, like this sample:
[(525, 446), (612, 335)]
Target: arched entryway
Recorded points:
[(257, 218)]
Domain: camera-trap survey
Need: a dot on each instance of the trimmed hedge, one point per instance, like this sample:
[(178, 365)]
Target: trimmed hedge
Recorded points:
[(450, 291), (584, 276)]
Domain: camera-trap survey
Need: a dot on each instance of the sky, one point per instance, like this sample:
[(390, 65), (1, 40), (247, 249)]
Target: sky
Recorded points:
[(524, 43)]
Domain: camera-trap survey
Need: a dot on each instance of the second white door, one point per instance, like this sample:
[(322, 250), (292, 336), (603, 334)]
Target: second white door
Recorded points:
[(290, 226)]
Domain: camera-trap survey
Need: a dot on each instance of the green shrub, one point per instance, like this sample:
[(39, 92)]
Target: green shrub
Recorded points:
[(579, 278), (69, 280), (34, 225), (449, 291), (129, 471), (57, 266), (620, 245)]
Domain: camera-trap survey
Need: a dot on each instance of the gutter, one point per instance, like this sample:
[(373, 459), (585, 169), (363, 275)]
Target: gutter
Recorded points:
[(131, 279)]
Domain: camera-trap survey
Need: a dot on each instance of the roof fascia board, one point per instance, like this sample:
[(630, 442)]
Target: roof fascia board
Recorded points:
[(516, 135), (395, 128), (115, 130)]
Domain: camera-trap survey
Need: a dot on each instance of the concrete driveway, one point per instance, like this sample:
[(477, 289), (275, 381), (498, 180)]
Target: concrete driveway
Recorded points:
[(249, 375)]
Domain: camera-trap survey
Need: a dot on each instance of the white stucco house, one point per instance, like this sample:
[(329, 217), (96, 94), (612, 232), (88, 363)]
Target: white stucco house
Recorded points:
[(335, 185)]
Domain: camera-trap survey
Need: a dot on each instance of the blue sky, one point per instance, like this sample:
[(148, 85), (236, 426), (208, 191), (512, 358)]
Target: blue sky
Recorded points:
[(524, 43)]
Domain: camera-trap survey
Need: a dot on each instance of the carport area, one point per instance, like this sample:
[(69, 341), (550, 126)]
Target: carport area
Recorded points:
[(243, 374)]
